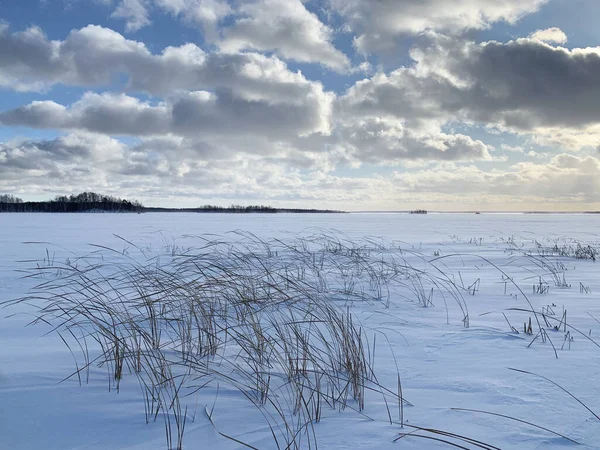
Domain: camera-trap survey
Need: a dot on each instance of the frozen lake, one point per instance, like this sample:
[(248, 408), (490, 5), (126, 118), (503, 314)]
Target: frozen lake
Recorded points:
[(495, 262)]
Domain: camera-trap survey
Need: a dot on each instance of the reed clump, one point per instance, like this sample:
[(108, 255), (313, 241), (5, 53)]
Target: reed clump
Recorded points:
[(270, 320)]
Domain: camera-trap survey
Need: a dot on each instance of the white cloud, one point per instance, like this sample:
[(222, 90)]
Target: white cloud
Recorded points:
[(135, 13), (565, 178), (550, 35), (187, 170), (512, 148), (207, 13), (284, 26), (377, 24), (379, 141)]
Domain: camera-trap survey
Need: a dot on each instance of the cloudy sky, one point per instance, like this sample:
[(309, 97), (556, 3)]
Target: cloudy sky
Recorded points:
[(349, 104)]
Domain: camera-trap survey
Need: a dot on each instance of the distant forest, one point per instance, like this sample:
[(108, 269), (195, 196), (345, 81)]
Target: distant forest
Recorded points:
[(93, 202), (84, 202), (240, 209)]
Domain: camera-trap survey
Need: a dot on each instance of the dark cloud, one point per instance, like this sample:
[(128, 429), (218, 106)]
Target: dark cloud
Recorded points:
[(527, 83), (524, 85)]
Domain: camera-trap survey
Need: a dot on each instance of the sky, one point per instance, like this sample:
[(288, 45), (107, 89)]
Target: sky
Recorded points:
[(345, 104)]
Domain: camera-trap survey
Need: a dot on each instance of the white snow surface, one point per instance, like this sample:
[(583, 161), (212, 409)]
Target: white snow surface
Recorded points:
[(442, 363)]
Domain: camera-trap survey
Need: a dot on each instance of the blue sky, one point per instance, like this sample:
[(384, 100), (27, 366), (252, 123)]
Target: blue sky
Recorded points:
[(332, 103)]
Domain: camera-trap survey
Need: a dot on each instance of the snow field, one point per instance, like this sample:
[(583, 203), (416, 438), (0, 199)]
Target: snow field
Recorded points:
[(299, 332)]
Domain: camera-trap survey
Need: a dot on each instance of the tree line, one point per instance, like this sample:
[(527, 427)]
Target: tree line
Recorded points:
[(83, 202), (91, 201), (237, 208)]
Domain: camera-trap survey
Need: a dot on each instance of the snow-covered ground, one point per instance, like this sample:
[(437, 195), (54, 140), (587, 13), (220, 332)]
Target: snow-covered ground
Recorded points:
[(443, 364)]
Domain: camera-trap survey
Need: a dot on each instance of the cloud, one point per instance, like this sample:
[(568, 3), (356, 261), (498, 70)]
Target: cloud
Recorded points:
[(77, 152), (95, 56), (550, 36), (207, 13), (135, 13), (300, 132), (189, 173), (148, 169), (235, 120), (190, 113), (512, 149), (25, 56), (523, 86), (284, 26), (565, 178), (527, 84), (377, 24), (107, 113), (379, 141)]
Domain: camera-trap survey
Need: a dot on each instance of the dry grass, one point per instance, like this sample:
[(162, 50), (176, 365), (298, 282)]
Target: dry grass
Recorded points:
[(271, 320)]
